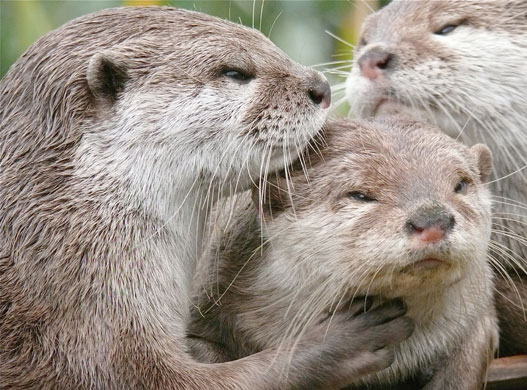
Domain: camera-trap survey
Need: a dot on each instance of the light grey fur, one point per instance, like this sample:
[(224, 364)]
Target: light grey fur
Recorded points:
[(470, 82), (264, 280)]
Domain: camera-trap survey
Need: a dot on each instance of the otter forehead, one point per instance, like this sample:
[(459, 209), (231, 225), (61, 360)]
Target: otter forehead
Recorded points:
[(181, 43), (225, 40), (391, 148), (171, 40)]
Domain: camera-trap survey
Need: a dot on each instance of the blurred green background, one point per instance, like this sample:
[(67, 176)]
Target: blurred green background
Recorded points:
[(297, 26)]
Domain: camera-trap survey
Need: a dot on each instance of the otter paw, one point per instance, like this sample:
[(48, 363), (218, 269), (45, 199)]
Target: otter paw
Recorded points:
[(357, 342)]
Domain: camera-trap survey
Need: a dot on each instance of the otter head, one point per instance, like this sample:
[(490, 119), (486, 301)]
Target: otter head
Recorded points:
[(384, 207), (202, 97), (459, 64)]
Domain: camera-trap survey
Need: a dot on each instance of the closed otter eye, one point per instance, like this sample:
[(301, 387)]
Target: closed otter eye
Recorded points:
[(462, 186), (357, 195), (447, 28), (238, 75)]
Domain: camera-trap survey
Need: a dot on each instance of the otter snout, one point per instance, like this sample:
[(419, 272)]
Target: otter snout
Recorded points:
[(320, 92), (430, 224), (374, 62)]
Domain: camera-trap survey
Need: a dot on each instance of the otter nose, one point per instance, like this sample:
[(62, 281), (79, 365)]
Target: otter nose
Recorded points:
[(430, 225), (320, 92), (374, 62)]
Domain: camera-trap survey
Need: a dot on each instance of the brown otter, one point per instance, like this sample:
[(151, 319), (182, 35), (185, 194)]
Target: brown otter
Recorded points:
[(117, 133), (460, 64), (390, 208)]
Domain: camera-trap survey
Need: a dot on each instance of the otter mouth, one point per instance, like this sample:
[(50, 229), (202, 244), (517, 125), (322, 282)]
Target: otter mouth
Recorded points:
[(427, 264), (388, 106)]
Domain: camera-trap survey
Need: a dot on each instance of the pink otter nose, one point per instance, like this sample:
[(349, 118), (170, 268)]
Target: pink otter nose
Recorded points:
[(430, 225), (374, 62), (433, 234)]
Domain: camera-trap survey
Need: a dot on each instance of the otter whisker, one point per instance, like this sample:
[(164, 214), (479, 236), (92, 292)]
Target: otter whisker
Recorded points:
[(509, 233), (377, 271), (193, 187), (501, 270), (504, 217), (340, 102), (301, 160), (288, 181), (301, 328), (463, 128), (508, 254), (509, 174), (370, 8), (338, 87), (510, 201), (252, 18), (340, 62), (334, 36), (255, 252), (227, 152), (262, 198)]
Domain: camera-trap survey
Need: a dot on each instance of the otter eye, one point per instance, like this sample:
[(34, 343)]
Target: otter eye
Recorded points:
[(238, 75), (363, 42), (461, 187), (446, 29), (356, 195)]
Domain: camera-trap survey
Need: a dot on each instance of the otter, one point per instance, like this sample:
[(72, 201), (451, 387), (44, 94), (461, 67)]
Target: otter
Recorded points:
[(391, 208), (118, 131), (460, 65)]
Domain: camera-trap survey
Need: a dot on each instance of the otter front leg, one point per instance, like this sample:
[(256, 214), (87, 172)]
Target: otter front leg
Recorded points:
[(466, 367), (331, 354), (348, 346), (336, 352)]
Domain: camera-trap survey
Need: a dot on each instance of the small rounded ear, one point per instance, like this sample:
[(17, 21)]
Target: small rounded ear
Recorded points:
[(106, 76), (483, 157), (274, 198)]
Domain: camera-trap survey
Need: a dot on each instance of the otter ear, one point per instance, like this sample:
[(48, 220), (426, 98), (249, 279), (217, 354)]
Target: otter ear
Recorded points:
[(275, 199), (106, 76), (483, 157)]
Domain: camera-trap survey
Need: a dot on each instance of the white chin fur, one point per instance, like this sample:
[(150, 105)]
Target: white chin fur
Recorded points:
[(360, 94)]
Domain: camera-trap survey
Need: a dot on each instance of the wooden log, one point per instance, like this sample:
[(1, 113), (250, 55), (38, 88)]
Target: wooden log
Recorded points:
[(509, 373)]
